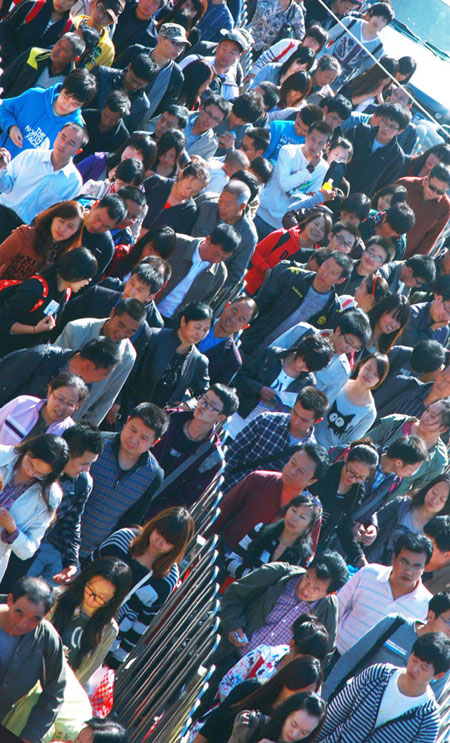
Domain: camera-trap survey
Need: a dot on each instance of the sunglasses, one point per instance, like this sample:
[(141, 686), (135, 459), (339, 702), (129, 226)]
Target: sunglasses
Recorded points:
[(436, 190)]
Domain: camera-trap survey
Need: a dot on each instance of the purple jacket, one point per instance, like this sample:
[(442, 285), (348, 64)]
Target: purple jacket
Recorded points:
[(93, 166), (20, 415)]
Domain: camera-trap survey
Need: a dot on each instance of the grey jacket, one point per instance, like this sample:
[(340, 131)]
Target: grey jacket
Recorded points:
[(205, 285), (208, 218), (38, 657), (248, 602)]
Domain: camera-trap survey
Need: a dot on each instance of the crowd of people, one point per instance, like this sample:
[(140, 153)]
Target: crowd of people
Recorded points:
[(223, 259)]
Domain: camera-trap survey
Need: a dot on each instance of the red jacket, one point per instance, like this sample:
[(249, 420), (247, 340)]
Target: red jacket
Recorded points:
[(274, 248), (431, 217)]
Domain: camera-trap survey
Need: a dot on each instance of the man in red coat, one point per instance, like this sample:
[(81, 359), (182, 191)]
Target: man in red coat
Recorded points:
[(428, 199)]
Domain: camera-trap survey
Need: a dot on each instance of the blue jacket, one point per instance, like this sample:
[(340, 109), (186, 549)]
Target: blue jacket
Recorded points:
[(33, 113)]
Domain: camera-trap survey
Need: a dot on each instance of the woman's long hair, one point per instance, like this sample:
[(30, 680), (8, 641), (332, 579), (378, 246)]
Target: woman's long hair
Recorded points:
[(401, 310), (305, 216), (177, 527), (418, 499), (370, 79), (399, 194), (171, 139), (296, 675), (141, 142), (196, 74), (442, 151), (109, 568), (312, 703), (303, 54), (297, 553), (164, 241), (52, 450), (382, 362), (301, 82), (43, 222)]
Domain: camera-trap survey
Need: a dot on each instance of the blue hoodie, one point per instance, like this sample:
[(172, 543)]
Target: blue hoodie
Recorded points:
[(33, 113)]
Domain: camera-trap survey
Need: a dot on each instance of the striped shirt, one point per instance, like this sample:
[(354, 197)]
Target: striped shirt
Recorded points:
[(137, 612), (257, 446), (367, 598)]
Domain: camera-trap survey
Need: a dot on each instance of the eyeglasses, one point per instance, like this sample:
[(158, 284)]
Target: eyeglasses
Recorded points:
[(342, 241), (36, 474), (436, 190), (406, 564), (95, 597), (208, 405), (351, 345), (62, 401), (217, 119), (377, 258), (390, 125), (354, 475), (246, 147)]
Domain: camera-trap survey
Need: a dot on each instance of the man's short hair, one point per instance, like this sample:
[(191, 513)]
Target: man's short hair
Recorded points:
[(343, 225), (144, 67), (270, 93), (226, 236), (132, 307), (315, 350), (395, 112), (250, 301), (102, 352), (115, 206), (80, 129), (36, 590), (81, 85), (118, 102), (248, 106), (180, 112), (249, 180), (344, 261), (152, 416), (339, 105), (240, 190), (438, 528), (427, 356), (149, 276), (355, 322), (409, 449), (423, 267), (261, 167), (310, 637), (439, 603), (357, 203), (76, 41), (81, 438), (327, 62), (216, 100), (442, 287), (322, 127), (260, 136), (419, 544), (310, 113), (385, 243), (228, 397), (441, 172), (382, 9), (401, 218), (133, 194), (433, 648), (310, 398), (330, 566)]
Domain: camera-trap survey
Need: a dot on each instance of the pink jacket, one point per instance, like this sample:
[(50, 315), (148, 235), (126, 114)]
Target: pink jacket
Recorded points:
[(19, 416)]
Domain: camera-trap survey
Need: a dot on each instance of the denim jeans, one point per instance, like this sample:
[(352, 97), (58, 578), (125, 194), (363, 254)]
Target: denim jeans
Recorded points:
[(47, 563)]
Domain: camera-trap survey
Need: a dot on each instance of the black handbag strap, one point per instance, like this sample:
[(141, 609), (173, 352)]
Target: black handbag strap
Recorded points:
[(361, 664)]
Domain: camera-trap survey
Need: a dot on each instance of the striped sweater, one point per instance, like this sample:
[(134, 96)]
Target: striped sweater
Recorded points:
[(136, 613), (352, 715)]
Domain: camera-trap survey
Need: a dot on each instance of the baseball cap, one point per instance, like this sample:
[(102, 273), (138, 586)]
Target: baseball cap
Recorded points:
[(174, 32), (235, 36), (114, 8)]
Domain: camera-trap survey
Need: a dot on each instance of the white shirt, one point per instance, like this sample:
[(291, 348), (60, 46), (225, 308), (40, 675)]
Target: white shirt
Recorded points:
[(170, 303), (30, 184), (367, 598), (394, 704), (290, 178)]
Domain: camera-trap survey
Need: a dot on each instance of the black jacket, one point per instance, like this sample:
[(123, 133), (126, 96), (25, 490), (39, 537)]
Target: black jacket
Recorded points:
[(261, 372), (142, 381), (130, 30), (224, 361), (180, 217), (280, 295), (109, 79), (27, 24), (369, 171), (23, 73), (29, 370), (109, 141), (176, 81)]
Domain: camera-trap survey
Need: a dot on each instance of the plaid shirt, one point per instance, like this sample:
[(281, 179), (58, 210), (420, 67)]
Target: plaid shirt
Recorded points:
[(277, 629), (264, 437)]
